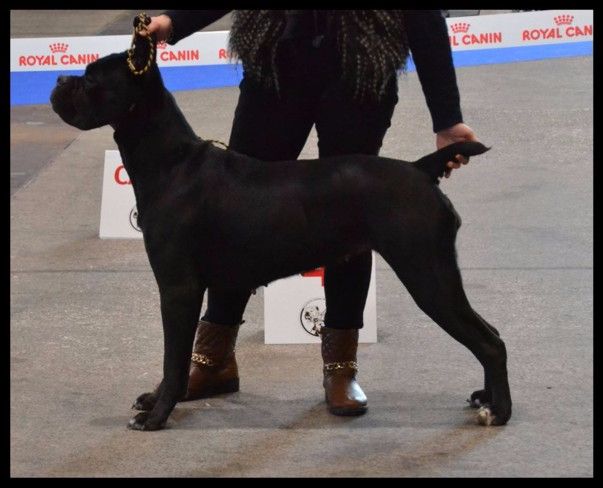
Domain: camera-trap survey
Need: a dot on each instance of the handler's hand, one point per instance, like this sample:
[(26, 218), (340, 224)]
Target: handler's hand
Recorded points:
[(161, 26), (456, 133)]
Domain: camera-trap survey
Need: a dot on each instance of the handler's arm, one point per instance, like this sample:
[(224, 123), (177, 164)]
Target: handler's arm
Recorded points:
[(430, 48), (186, 22)]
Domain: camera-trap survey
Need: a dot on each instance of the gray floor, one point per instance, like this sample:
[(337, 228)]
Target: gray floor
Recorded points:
[(86, 334)]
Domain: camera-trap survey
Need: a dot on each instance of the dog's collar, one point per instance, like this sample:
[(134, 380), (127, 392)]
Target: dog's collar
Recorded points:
[(217, 143)]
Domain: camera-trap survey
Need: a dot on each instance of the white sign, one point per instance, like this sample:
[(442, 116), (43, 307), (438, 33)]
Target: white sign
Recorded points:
[(119, 215), (294, 309)]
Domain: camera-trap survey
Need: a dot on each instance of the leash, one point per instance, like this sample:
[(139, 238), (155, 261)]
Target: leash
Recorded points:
[(140, 24)]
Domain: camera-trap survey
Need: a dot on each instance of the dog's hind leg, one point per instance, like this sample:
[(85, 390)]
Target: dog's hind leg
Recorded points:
[(483, 398), (433, 279), (180, 308)]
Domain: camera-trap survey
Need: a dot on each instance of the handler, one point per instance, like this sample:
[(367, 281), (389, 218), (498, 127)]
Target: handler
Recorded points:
[(337, 70)]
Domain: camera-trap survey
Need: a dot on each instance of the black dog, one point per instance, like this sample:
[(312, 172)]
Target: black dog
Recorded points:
[(215, 218)]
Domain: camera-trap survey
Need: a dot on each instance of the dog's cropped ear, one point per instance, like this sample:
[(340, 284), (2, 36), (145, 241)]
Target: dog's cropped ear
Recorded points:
[(143, 52)]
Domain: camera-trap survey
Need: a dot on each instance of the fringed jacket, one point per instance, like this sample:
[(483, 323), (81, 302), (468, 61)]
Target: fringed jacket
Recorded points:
[(372, 44)]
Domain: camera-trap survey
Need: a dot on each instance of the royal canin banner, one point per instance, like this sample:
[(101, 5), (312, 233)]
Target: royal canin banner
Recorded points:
[(202, 59), (525, 29), (74, 53), (210, 48)]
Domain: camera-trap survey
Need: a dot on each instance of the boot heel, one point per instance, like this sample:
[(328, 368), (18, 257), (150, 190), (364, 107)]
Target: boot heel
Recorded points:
[(348, 412), (230, 386)]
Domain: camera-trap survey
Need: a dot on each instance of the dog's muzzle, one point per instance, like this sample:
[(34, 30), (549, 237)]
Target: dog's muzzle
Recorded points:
[(61, 98), (66, 97)]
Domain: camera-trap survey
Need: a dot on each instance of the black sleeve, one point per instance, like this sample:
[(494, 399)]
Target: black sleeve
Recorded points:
[(430, 48), (186, 22)]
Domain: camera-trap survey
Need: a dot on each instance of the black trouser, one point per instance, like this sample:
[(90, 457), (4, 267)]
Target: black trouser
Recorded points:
[(273, 126)]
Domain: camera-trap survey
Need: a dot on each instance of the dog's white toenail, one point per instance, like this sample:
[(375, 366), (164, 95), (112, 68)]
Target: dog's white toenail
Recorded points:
[(484, 416)]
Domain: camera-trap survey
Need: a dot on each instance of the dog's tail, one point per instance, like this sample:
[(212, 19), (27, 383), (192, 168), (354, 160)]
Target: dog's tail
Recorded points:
[(434, 164)]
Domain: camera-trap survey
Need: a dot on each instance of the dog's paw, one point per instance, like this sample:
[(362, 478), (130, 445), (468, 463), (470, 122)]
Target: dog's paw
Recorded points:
[(480, 398), (144, 421), (485, 416), (145, 402), (490, 416)]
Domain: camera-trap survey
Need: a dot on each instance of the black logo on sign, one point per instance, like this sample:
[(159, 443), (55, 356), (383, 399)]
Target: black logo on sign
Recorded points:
[(134, 218), (312, 316)]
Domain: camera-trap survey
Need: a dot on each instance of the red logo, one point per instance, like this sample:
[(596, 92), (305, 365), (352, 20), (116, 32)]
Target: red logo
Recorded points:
[(59, 47), (59, 57), (462, 37), (121, 176), (460, 27), (319, 272), (564, 29), (564, 19), (165, 53)]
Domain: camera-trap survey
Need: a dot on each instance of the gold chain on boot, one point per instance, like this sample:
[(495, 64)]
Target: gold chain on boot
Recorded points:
[(202, 360), (347, 364)]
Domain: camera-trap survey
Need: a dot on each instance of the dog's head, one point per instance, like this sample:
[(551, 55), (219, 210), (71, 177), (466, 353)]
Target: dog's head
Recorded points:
[(109, 89)]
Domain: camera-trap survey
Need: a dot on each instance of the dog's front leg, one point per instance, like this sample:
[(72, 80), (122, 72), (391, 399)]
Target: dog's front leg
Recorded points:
[(180, 308)]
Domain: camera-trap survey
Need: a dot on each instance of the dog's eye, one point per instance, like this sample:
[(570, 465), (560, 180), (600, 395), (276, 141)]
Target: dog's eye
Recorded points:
[(92, 88), (89, 82)]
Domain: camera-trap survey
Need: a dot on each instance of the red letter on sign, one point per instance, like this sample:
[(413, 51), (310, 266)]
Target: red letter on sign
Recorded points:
[(117, 176)]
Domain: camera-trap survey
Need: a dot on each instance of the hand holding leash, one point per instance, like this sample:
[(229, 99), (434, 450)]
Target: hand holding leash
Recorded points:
[(161, 26)]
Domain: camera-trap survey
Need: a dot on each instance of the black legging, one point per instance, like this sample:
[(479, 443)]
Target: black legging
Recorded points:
[(275, 127)]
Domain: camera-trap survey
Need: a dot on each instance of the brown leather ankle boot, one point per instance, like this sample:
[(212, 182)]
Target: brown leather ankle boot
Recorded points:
[(213, 364), (342, 392)]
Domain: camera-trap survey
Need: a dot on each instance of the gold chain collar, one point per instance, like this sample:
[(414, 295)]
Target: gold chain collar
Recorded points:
[(141, 25), (217, 143)]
